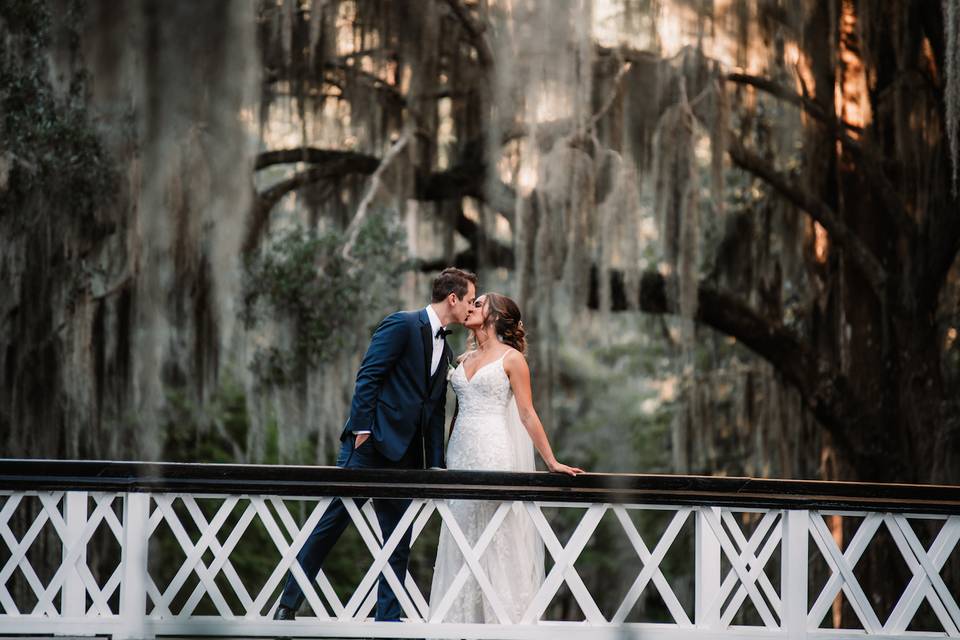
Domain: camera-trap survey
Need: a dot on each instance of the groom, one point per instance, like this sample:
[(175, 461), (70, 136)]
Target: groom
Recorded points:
[(396, 422)]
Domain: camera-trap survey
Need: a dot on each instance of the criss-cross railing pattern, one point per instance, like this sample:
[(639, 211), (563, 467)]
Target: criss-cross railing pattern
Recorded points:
[(722, 562)]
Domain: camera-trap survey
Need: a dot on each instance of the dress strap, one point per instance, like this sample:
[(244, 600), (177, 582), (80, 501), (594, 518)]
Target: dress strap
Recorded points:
[(503, 356)]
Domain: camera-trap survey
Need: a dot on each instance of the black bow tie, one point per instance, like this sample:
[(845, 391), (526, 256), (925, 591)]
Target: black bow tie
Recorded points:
[(442, 333)]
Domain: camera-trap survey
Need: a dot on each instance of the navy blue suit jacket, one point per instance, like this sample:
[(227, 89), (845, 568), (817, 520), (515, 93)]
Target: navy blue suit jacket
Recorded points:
[(395, 396)]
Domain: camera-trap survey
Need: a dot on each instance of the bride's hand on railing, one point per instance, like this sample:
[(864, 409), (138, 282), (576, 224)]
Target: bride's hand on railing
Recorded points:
[(559, 467)]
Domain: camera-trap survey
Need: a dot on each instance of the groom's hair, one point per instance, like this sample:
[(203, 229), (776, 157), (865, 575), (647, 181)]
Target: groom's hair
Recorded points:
[(452, 280)]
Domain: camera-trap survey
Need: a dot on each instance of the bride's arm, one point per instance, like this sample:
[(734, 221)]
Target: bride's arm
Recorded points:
[(519, 373)]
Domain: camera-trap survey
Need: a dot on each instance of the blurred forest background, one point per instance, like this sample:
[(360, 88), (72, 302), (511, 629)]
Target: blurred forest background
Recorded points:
[(732, 225)]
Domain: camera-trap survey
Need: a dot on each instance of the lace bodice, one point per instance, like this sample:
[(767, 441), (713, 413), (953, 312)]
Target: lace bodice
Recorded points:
[(480, 440), (486, 393)]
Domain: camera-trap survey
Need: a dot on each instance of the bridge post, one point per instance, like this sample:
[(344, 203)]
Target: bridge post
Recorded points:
[(794, 572), (133, 594), (707, 571), (75, 517)]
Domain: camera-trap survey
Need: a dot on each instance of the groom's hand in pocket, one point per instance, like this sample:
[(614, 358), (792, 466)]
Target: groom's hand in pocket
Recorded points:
[(359, 439)]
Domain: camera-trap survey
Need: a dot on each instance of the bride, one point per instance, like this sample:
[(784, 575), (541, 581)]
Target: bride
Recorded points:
[(495, 430)]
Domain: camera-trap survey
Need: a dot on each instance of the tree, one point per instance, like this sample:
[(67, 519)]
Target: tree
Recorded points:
[(879, 234)]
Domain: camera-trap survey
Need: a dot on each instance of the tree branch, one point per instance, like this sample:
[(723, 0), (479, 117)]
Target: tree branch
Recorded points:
[(943, 242), (862, 152), (868, 264), (787, 95), (475, 29), (614, 92), (376, 183), (468, 178), (350, 161), (824, 390), (336, 165), (371, 80), (497, 253)]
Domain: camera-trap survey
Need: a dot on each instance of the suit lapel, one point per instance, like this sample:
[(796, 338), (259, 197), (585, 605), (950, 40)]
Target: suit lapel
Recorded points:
[(427, 339)]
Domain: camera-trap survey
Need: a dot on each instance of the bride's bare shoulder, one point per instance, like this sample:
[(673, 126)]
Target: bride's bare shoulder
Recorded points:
[(514, 358)]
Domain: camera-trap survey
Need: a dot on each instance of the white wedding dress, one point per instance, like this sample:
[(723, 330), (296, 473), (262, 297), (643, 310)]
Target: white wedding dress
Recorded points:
[(488, 436)]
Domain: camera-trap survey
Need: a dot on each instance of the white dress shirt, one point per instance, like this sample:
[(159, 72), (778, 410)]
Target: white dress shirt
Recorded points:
[(437, 346), (437, 342)]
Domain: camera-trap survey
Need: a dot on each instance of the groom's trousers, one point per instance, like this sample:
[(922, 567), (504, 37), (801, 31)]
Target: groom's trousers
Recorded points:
[(335, 520)]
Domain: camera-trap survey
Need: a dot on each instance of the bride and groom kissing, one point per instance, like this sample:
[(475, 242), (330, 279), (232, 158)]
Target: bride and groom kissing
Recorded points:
[(397, 420)]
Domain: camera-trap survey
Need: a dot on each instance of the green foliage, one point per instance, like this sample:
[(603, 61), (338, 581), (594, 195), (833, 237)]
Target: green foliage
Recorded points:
[(218, 430), (212, 432), (49, 149), (609, 419), (331, 303)]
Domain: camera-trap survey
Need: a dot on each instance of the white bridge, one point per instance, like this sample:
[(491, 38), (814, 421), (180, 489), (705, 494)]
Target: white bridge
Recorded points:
[(137, 550)]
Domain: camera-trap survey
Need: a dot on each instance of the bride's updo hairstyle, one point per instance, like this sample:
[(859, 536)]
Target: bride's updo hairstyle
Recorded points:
[(504, 315)]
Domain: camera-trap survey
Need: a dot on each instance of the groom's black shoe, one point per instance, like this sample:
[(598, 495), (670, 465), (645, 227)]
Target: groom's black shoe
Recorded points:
[(284, 613)]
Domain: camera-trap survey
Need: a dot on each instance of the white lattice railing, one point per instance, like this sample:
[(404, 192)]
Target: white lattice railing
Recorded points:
[(138, 551)]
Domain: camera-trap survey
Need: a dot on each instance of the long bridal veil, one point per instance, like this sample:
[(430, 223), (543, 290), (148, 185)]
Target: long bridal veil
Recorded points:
[(523, 459), (529, 546)]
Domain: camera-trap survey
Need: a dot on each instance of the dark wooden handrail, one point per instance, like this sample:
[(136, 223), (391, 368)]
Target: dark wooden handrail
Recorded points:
[(170, 477)]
